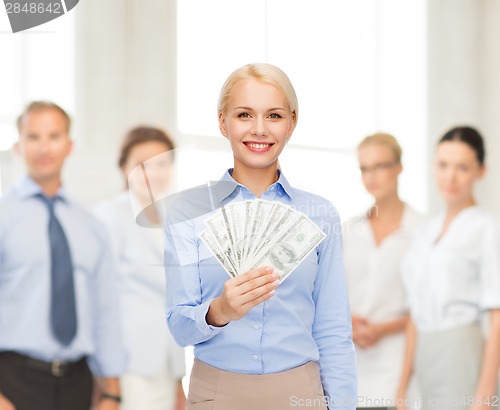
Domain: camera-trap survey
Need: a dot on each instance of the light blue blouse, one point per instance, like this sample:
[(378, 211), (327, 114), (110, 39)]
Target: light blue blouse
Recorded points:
[(306, 320)]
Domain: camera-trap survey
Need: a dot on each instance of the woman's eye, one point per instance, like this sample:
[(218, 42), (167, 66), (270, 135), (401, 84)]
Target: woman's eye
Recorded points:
[(274, 116), (463, 168), (244, 115)]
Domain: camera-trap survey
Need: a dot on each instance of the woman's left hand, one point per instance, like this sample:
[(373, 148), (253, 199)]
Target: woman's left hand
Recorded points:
[(180, 403), (107, 404), (367, 335)]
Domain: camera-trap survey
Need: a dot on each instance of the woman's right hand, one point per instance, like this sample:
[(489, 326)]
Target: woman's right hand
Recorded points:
[(242, 293), (5, 404), (401, 399)]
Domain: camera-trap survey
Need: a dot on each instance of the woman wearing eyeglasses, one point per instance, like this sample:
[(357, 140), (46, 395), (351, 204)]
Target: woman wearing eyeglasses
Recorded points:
[(374, 244)]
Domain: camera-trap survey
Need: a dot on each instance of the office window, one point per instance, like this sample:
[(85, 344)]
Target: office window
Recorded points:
[(36, 64), (358, 66)]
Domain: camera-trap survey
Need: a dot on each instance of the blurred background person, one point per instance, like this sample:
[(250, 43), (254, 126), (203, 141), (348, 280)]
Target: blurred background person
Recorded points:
[(58, 298), (452, 277), (374, 244), (156, 364)]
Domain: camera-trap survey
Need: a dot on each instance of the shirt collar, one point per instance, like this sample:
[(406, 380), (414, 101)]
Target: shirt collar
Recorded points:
[(227, 185), (26, 187)]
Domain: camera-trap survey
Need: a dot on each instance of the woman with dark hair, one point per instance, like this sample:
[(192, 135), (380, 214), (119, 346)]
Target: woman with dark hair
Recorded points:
[(155, 363), (452, 278)]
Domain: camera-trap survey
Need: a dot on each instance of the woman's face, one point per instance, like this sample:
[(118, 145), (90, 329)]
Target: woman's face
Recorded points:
[(257, 122), (379, 170), (157, 170), (457, 169)]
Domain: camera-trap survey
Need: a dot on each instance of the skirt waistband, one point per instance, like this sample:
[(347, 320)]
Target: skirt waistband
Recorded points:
[(310, 369)]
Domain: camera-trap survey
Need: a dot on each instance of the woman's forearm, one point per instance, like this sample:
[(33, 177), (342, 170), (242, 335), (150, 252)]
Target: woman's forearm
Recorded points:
[(488, 379), (407, 369), (392, 327)]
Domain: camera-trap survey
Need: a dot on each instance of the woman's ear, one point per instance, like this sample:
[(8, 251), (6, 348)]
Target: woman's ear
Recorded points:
[(293, 122), (482, 171), (222, 124), (125, 172)]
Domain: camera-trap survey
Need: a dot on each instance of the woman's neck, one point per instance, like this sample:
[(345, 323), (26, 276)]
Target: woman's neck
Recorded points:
[(454, 208), (388, 208), (256, 180)]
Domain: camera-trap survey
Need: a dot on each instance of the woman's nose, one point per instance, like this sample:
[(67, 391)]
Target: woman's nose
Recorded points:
[(259, 128)]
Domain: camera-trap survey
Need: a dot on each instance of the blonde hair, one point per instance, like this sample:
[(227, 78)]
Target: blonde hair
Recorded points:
[(384, 139), (266, 73)]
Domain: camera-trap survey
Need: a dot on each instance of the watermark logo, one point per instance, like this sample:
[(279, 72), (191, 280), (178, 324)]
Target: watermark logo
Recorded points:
[(25, 14)]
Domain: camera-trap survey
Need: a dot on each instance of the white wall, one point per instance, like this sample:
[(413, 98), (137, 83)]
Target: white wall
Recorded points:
[(464, 86), (489, 86), (126, 76)]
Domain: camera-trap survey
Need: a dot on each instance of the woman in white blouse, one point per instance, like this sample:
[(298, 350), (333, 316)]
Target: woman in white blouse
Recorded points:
[(374, 245), (156, 364), (452, 276)]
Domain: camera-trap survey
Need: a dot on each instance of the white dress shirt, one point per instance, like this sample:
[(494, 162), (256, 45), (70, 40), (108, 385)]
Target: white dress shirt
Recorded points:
[(451, 282), (139, 257), (25, 282), (376, 292)]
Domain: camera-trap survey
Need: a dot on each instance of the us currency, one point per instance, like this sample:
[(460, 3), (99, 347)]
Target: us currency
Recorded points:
[(254, 233), (221, 235), (280, 222), (230, 233), (260, 213), (236, 217), (209, 240), (262, 224), (285, 252)]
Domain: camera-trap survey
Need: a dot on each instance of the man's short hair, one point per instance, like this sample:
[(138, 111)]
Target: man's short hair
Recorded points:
[(40, 106)]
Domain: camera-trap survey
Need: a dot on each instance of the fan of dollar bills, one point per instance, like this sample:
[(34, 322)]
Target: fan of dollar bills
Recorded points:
[(249, 234)]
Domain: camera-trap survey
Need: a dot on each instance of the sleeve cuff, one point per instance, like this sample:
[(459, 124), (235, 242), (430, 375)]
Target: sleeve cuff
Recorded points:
[(108, 364), (201, 322)]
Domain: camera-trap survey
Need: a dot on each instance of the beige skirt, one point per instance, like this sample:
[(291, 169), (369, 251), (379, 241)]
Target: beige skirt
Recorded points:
[(214, 389), (447, 367)]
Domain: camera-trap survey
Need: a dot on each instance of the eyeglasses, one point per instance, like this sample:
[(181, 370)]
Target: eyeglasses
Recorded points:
[(378, 167)]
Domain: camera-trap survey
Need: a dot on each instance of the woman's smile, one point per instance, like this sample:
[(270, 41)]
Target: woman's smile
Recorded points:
[(258, 146)]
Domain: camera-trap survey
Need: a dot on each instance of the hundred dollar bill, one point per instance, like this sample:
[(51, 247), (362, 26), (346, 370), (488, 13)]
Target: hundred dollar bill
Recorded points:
[(236, 215), (260, 213), (267, 214), (222, 237), (249, 215), (285, 252), (209, 240), (281, 221), (230, 232), (254, 233)]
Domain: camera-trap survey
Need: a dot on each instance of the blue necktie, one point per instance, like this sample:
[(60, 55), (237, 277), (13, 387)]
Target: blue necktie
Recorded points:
[(62, 305)]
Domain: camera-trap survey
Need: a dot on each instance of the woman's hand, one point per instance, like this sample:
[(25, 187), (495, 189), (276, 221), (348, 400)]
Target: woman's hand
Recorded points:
[(401, 399), (364, 333), (242, 293), (180, 402), (5, 404), (107, 404)]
